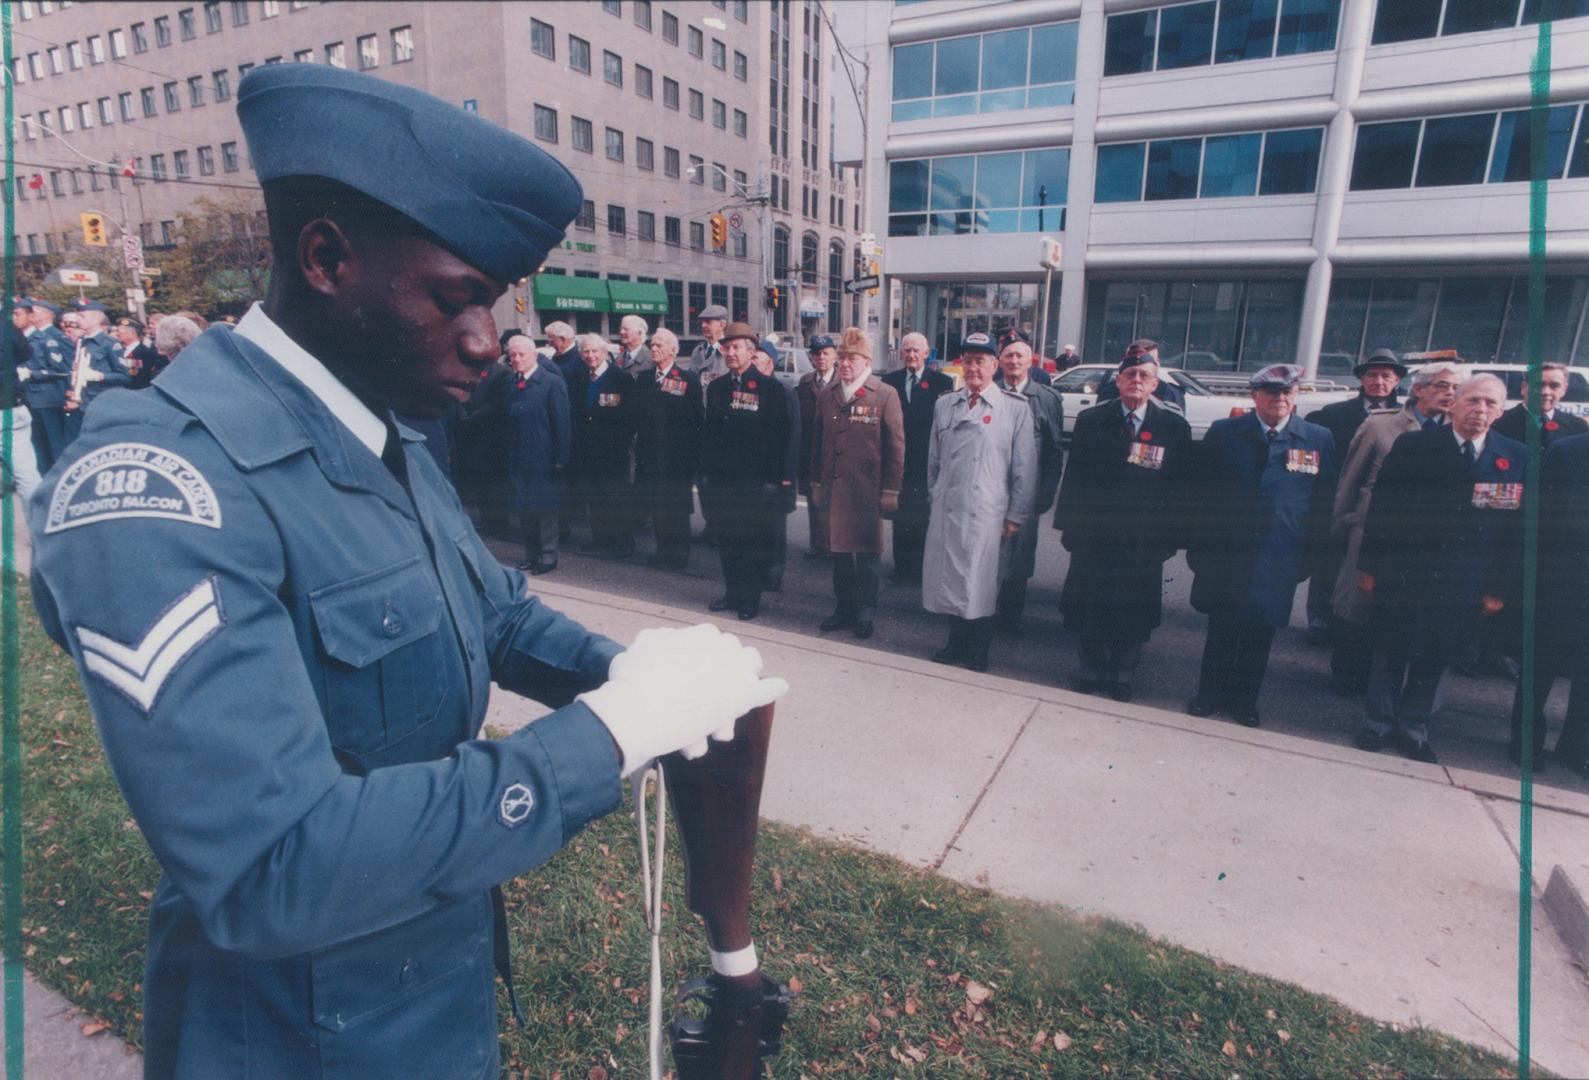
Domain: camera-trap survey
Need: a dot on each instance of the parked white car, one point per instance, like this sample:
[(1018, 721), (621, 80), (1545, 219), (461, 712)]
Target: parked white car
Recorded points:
[(1079, 388)]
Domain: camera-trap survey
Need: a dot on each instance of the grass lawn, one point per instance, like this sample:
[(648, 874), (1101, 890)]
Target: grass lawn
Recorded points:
[(900, 972)]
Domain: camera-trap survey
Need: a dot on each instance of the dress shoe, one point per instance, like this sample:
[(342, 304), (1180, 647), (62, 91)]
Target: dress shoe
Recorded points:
[(543, 567), (863, 630), (1246, 717), (1200, 707), (1121, 692), (977, 662), (722, 603), (1419, 751), (749, 612), (1370, 741), (946, 655), (837, 621), (527, 564)]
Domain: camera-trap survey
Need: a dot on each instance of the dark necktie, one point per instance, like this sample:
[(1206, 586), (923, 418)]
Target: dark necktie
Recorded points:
[(910, 387), (1135, 423), (1431, 424), (1274, 433), (975, 397), (1469, 455)]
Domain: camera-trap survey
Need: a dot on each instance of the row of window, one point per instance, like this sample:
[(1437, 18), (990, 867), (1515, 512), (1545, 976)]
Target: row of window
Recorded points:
[(1210, 167), (1493, 148), (1019, 191), (543, 42), (184, 164), (1217, 32), (1409, 20), (646, 228), (1026, 68), (582, 138)]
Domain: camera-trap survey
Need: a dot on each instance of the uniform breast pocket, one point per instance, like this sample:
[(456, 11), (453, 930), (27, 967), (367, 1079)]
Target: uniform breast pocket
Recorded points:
[(382, 665)]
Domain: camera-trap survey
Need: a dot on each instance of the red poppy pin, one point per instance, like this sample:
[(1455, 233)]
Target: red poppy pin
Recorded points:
[(988, 418), (1146, 436), (1551, 425), (861, 392), (1503, 464), (751, 385), (521, 384)]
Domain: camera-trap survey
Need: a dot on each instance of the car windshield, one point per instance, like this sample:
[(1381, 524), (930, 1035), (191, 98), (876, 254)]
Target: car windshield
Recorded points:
[(1190, 383)]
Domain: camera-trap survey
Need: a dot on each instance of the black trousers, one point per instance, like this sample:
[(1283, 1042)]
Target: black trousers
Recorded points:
[(817, 519), (778, 555), (1402, 692), (538, 530), (1573, 741), (607, 495), (910, 537), (744, 528), (1352, 653), (1235, 658), (1012, 601), (669, 506), (1108, 661), (970, 637), (855, 578), (49, 436)]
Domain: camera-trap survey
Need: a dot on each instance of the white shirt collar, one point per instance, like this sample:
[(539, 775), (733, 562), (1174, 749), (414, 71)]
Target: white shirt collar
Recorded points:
[(1478, 443), (599, 372), (1020, 387), (353, 414), (1278, 428), (662, 372), (1140, 412), (851, 388)]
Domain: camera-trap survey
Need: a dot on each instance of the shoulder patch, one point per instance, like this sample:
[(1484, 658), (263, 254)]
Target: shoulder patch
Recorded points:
[(131, 480), (139, 670)]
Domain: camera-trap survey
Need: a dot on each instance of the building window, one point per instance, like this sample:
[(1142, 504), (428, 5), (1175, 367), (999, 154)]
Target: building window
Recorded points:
[(646, 225), (229, 157), (221, 81), (179, 163), (93, 178), (337, 54), (206, 161), (697, 170), (68, 123), (543, 39), (173, 99), (670, 162), (1219, 166), (303, 56), (157, 167), (587, 216), (162, 31), (1474, 149), (1193, 35), (189, 24), (616, 224), (74, 55), (1019, 191), (613, 8), (545, 124), (719, 114), (612, 68), (670, 28), (719, 177), (85, 115), (697, 236), (402, 44), (741, 123), (269, 9), (107, 113), (124, 100), (239, 12), (670, 231), (642, 80), (146, 98), (118, 49), (641, 13), (1409, 20), (578, 54), (140, 41), (780, 253), (670, 93), (195, 90), (697, 105), (645, 154), (1200, 325), (697, 42), (212, 17), (96, 49), (719, 55), (1027, 68), (741, 10), (741, 66), (614, 144), (583, 137), (369, 51), (471, 106)]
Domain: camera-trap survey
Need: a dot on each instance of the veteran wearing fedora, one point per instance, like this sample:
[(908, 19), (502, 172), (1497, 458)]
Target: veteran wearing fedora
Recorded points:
[(291, 695)]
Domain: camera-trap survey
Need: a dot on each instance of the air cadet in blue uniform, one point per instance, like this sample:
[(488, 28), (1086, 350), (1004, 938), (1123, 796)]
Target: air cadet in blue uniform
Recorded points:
[(49, 368), (107, 368), (289, 696), (1261, 504)]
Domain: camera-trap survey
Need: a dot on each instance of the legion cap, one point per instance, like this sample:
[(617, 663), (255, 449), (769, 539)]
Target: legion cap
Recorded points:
[(1276, 377), (979, 342), (822, 341)]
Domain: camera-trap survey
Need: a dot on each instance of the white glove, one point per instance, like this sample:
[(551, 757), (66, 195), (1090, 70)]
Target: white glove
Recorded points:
[(672, 689), (24, 374)]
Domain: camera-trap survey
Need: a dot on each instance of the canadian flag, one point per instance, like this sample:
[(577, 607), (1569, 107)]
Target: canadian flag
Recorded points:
[(131, 168), (37, 181)]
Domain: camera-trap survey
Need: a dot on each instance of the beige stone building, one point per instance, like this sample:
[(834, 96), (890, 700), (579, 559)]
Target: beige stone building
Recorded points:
[(668, 113)]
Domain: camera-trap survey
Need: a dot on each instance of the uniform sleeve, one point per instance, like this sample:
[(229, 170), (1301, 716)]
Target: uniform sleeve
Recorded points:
[(113, 365), (211, 725)]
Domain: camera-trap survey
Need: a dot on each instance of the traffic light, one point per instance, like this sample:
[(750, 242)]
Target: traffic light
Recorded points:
[(772, 296), (94, 229), (719, 232), (148, 286)]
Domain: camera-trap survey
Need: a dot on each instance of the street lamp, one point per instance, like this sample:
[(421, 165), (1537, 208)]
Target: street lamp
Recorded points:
[(757, 199)]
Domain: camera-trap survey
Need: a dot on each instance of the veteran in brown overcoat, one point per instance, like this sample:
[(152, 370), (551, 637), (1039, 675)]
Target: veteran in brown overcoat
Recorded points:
[(859, 460)]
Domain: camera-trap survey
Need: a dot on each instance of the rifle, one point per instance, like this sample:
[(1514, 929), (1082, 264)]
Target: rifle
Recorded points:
[(716, 802), (81, 366)]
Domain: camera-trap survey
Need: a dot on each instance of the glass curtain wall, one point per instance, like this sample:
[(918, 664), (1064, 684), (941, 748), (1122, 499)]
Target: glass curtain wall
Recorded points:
[(1200, 325)]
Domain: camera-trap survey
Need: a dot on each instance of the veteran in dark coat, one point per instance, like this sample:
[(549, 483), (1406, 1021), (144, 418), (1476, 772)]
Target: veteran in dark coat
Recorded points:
[(537, 441), (1260, 513), (1440, 553), (765, 362), (1553, 423), (918, 391), (744, 470), (602, 400), (860, 456), (824, 358), (1018, 375), (142, 361), (1119, 516), (668, 448)]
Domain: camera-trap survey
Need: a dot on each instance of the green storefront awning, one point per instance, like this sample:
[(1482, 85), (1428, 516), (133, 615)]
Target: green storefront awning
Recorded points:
[(639, 297), (558, 292)]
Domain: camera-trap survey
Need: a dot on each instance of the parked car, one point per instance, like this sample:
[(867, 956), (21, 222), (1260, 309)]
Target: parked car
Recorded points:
[(1079, 388), (793, 363)]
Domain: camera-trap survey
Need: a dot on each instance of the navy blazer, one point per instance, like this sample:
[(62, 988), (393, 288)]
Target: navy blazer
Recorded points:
[(1260, 515), (918, 424)]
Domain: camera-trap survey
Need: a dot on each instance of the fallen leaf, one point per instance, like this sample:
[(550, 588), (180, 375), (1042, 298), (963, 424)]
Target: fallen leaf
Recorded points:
[(64, 961), (916, 1053), (874, 1023), (1283, 1035), (976, 993), (596, 1073), (1229, 1049), (912, 1006), (95, 1028), (777, 880), (1269, 1013), (1061, 1041)]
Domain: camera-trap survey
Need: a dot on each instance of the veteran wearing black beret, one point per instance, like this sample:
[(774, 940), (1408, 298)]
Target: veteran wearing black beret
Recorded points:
[(290, 697)]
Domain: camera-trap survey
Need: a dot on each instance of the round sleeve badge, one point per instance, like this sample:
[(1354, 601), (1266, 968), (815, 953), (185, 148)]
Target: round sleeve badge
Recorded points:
[(515, 806)]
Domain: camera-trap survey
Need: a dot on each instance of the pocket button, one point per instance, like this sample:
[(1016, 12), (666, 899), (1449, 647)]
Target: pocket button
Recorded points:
[(391, 622)]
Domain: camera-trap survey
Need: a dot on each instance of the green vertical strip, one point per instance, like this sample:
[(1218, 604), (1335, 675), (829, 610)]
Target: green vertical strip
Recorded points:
[(10, 733), (1539, 102)]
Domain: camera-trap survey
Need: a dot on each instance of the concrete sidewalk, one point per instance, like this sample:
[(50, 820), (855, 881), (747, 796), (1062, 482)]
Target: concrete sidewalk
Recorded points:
[(1387, 884)]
